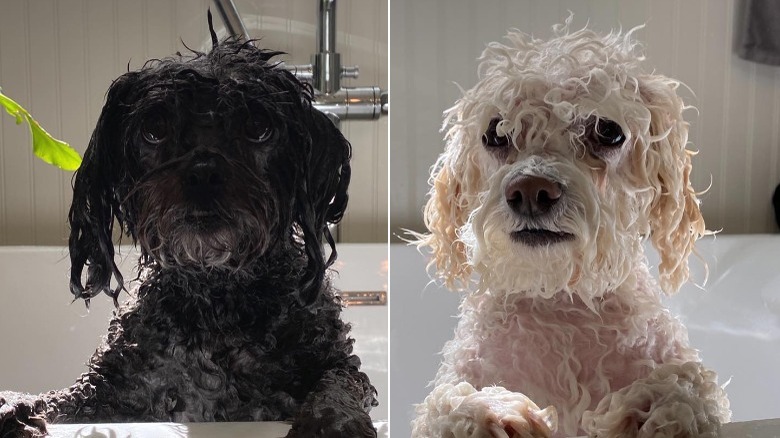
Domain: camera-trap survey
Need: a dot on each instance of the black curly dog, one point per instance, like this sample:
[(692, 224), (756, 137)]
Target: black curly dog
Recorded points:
[(220, 169)]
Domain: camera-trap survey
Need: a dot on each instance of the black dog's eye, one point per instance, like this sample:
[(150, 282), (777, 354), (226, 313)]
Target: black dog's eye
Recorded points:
[(607, 133), (491, 139), (257, 132), (155, 131)]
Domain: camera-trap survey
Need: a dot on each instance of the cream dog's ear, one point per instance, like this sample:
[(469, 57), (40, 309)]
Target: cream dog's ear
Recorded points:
[(444, 214), (454, 189), (675, 219)]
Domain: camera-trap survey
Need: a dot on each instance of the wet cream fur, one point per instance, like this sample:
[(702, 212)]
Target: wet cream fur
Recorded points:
[(577, 325)]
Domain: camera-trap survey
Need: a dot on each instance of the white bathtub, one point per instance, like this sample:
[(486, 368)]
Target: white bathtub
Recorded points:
[(735, 323), (45, 340)]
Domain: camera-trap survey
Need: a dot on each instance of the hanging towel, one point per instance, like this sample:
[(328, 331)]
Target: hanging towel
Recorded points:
[(776, 205), (759, 38)]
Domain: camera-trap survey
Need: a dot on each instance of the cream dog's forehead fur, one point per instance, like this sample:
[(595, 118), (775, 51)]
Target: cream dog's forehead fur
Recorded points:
[(547, 95), (540, 89)]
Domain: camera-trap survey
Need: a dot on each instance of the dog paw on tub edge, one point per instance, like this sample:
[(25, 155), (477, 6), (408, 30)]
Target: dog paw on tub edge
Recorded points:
[(462, 410)]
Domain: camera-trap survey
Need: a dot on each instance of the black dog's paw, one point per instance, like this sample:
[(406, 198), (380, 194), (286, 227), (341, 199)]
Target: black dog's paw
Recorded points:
[(20, 418), (333, 424)]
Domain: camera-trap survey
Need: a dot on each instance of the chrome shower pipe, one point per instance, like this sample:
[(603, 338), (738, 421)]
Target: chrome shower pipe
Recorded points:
[(326, 32), (327, 62), (227, 10), (353, 103), (305, 72)]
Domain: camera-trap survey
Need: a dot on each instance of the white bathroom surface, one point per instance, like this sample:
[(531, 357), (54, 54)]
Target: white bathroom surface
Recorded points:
[(180, 430), (750, 429)]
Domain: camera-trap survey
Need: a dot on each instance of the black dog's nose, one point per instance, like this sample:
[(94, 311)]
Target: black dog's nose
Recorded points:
[(532, 195), (205, 173)]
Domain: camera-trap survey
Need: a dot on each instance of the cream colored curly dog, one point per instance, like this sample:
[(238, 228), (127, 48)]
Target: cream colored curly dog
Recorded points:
[(561, 160)]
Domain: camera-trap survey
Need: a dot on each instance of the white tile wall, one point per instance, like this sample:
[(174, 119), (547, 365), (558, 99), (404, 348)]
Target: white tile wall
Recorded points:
[(435, 43), (58, 57)]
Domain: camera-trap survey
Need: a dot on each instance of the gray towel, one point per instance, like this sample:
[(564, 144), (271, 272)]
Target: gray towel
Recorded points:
[(759, 38)]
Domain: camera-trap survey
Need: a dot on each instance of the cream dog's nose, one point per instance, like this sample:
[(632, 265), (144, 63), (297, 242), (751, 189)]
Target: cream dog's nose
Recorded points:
[(532, 195)]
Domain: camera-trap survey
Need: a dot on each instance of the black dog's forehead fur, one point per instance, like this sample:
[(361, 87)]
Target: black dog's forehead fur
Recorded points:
[(242, 84), (230, 67), (231, 86)]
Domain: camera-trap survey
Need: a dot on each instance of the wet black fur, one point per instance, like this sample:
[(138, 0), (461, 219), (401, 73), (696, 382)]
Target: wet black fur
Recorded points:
[(241, 324)]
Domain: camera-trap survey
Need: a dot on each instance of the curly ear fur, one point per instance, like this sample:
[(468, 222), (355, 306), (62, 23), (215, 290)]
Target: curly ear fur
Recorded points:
[(455, 184), (443, 216), (675, 219), (97, 201), (322, 196)]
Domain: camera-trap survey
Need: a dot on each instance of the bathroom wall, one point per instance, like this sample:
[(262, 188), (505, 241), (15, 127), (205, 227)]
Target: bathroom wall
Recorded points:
[(58, 57), (434, 44)]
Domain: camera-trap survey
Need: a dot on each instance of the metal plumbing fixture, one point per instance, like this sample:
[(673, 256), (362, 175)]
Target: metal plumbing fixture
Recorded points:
[(327, 61), (233, 24), (325, 71)]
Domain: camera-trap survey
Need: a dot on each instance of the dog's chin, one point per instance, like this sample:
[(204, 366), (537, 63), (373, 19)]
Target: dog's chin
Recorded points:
[(528, 262), (192, 238), (538, 263), (204, 243)]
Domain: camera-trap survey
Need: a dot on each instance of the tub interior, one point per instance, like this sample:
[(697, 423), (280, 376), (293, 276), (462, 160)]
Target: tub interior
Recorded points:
[(46, 339), (734, 321)]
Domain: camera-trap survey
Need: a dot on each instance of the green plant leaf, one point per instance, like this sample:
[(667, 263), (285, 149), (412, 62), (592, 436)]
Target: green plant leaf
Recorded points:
[(45, 147)]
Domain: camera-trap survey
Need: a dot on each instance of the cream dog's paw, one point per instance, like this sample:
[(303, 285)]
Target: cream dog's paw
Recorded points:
[(674, 401), (462, 411)]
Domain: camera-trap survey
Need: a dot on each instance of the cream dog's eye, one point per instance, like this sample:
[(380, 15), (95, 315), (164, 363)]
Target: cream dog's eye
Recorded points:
[(155, 131), (607, 133), (491, 138)]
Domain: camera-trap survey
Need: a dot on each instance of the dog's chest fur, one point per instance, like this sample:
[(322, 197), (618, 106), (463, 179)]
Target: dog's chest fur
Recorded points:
[(558, 351), (217, 351)]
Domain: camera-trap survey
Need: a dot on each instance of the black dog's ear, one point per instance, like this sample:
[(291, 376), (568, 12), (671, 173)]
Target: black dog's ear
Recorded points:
[(322, 198), (99, 186)]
